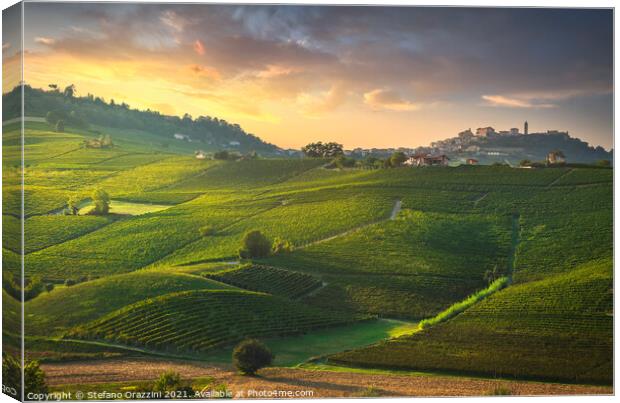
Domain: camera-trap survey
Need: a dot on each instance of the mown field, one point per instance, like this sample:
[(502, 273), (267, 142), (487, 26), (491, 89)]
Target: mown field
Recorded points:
[(365, 247)]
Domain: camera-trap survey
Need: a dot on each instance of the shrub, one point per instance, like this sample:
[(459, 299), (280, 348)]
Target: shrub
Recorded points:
[(69, 282), (255, 245), (207, 230), (369, 391), (60, 126), (102, 201), (459, 307), (34, 377), (398, 159), (281, 245), (221, 155), (500, 391), (168, 381), (251, 355), (49, 287), (72, 206)]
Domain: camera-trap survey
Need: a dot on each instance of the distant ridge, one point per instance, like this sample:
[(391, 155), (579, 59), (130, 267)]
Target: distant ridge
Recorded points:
[(208, 133)]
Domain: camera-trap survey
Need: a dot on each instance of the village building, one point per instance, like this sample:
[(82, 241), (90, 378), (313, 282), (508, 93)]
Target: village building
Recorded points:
[(556, 157), (485, 131), (472, 161), (201, 155), (180, 136), (419, 160), (234, 144)]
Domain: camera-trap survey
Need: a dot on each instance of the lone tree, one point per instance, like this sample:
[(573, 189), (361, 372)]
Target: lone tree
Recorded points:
[(398, 159), (492, 275), (320, 150), (69, 91), (251, 355), (101, 198), (60, 126), (255, 244), (73, 206)]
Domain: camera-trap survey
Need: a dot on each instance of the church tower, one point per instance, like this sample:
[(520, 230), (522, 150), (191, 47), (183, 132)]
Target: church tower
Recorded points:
[(525, 127)]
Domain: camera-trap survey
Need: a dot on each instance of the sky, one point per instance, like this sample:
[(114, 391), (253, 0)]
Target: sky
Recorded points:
[(360, 76)]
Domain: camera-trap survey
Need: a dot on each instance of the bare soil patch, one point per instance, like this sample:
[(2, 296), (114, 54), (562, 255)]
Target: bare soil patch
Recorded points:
[(320, 383)]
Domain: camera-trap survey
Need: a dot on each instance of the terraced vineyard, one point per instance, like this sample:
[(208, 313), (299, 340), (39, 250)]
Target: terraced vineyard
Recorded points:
[(92, 299), (555, 322), (201, 320), (268, 279), (559, 328), (411, 267)]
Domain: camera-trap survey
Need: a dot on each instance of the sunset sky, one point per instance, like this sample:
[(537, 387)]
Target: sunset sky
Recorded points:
[(361, 76)]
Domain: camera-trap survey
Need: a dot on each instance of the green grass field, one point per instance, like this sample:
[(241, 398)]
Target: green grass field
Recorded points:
[(367, 247)]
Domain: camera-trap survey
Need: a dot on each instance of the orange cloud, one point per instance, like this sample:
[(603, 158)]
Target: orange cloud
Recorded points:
[(199, 47), (513, 102), (387, 99), (204, 71), (45, 40)]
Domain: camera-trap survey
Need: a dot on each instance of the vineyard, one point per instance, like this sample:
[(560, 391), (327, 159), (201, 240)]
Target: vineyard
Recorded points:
[(196, 321), (162, 270), (268, 279), (559, 328)]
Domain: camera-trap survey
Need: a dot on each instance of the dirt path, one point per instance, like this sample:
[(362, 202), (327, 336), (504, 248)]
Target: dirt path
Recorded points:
[(481, 198), (395, 210), (319, 383), (559, 177)]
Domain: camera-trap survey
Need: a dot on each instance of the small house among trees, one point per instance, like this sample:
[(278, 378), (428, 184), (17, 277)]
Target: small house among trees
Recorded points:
[(556, 157), (419, 160), (472, 161), (103, 141)]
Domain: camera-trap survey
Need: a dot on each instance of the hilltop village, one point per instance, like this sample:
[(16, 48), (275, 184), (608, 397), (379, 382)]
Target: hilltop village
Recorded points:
[(488, 145)]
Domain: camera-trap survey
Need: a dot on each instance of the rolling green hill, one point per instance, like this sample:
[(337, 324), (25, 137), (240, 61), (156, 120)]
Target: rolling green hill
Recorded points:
[(559, 328), (57, 311), (554, 322), (201, 320), (268, 279), (394, 243)]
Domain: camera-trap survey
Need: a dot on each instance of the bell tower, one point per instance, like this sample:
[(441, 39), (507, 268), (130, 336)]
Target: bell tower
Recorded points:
[(525, 128)]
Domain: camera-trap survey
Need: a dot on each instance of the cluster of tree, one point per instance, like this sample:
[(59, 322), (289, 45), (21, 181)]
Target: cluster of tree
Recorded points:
[(103, 141), (394, 161), (256, 245), (58, 118), (73, 281), (322, 150), (101, 199), (33, 286), (34, 377), (80, 111), (234, 156)]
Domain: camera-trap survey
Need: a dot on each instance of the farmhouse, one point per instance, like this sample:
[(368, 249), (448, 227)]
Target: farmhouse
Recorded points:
[(484, 131), (200, 155), (180, 136), (556, 157), (472, 161), (419, 160)]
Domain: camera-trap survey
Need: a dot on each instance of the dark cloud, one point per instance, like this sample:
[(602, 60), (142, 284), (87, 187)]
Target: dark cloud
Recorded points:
[(428, 53)]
